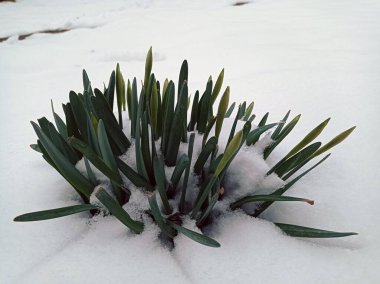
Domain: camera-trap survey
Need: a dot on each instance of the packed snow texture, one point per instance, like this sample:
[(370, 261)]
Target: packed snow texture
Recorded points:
[(319, 58)]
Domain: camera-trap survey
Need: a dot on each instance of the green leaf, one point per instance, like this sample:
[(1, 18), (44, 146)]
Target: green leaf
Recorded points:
[(133, 176), (246, 129), (248, 111), (308, 138), (54, 213), (80, 114), (176, 130), (181, 165), (154, 109), (286, 165), (209, 126), (335, 141), (35, 147), (168, 107), (95, 160), (217, 87), (148, 68), (204, 155), (255, 134), (129, 99), (62, 145), (116, 210), (283, 189), (204, 108), (68, 170), (209, 208), (161, 222), (104, 112), (83, 121), (281, 124), (139, 156), (230, 110), (203, 194), (134, 108), (44, 124), (242, 109), (109, 160), (110, 91), (183, 75), (86, 82), (305, 232), (120, 88), (61, 126), (187, 171), (239, 114), (230, 151), (194, 112), (90, 173), (222, 109), (252, 118), (164, 88), (199, 238), (287, 129), (144, 139), (263, 121), (254, 198), (159, 174), (72, 128)]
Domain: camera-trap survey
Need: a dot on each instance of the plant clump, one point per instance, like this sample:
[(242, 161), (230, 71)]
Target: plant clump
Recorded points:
[(177, 160)]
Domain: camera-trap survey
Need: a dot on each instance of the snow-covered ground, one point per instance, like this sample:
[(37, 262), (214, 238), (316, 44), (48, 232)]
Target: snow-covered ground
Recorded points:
[(319, 58)]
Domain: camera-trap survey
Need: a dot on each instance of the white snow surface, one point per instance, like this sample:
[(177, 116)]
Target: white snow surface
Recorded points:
[(319, 58)]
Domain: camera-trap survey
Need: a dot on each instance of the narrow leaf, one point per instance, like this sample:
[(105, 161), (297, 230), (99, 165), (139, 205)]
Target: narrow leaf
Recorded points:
[(335, 141), (230, 110), (308, 138), (222, 109), (202, 239), (255, 134), (67, 169), (187, 172), (159, 174), (230, 151), (148, 67), (161, 222), (283, 189), (176, 130), (205, 154), (116, 210), (217, 87), (287, 129), (54, 213), (133, 176), (255, 198), (305, 232)]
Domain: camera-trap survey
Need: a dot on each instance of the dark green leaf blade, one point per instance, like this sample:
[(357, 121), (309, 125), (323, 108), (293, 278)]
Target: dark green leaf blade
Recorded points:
[(176, 130), (202, 239), (269, 197), (118, 211), (94, 159), (132, 175), (64, 166), (161, 222), (54, 213), (306, 232)]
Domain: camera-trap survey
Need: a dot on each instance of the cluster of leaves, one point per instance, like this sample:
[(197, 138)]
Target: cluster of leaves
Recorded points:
[(159, 124)]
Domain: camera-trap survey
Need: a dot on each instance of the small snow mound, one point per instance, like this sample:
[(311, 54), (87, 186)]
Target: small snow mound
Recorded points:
[(247, 175)]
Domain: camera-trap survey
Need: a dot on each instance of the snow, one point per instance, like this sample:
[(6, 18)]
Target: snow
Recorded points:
[(318, 58)]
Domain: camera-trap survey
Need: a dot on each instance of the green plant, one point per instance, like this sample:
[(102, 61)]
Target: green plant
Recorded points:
[(159, 127)]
